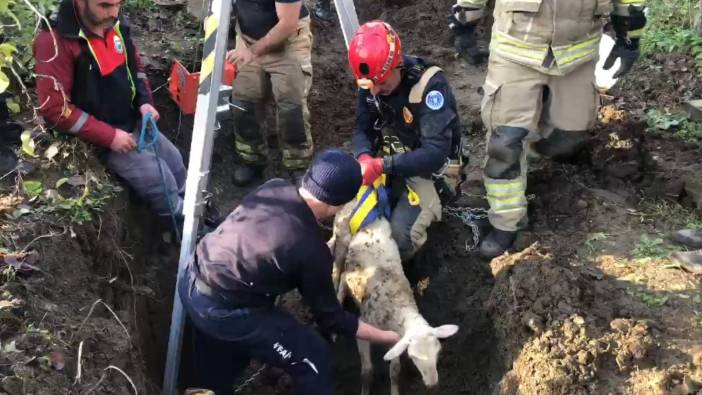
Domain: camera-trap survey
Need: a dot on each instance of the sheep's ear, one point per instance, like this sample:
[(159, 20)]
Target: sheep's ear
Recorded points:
[(397, 349), (445, 331)]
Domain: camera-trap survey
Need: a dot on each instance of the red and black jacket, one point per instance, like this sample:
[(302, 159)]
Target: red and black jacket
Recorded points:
[(87, 85)]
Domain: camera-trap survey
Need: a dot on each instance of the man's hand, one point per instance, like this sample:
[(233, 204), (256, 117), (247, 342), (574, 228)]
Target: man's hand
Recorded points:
[(371, 168), (123, 142), (240, 56), (146, 108), (625, 49)]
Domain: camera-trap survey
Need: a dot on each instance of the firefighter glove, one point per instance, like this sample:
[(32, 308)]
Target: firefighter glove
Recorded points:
[(627, 50), (371, 168)]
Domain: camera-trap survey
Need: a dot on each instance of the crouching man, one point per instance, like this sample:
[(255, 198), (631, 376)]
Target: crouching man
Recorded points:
[(269, 245)]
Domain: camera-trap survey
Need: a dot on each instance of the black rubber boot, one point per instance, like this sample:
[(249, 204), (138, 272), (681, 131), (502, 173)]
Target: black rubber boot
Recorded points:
[(246, 174), (322, 10), (496, 243)]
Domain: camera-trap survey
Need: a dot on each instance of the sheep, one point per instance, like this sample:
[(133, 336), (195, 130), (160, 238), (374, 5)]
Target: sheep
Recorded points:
[(368, 267)]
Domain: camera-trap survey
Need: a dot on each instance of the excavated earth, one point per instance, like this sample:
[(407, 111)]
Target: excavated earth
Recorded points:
[(577, 311)]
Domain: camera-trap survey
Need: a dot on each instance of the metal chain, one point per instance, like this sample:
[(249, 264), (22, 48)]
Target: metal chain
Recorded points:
[(469, 216), (250, 380)]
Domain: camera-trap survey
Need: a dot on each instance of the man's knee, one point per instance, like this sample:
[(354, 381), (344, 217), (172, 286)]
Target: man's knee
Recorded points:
[(561, 143), (291, 124), (245, 119), (504, 152), (403, 232)]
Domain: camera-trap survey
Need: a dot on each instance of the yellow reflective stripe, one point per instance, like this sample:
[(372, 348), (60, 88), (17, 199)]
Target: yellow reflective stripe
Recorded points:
[(512, 200), (572, 53), (518, 51), (362, 212), (500, 37), (636, 2), (472, 3), (493, 186), (635, 33), (126, 58)]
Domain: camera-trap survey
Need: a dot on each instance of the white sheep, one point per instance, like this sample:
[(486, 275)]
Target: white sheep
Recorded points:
[(367, 265)]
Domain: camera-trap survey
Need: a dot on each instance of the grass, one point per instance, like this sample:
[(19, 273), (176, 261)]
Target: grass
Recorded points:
[(591, 239), (676, 124), (670, 28), (668, 215), (652, 248)]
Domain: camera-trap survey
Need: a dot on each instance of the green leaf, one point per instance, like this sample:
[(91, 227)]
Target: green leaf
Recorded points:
[(4, 81), (28, 145), (12, 106), (32, 188)]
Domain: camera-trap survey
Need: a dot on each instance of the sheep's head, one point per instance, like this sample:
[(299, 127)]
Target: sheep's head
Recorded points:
[(423, 348)]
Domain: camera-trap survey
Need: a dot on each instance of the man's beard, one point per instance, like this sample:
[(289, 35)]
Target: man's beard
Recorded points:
[(99, 23)]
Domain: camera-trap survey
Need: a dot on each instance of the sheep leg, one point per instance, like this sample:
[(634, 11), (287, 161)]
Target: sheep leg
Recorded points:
[(364, 351), (395, 376)]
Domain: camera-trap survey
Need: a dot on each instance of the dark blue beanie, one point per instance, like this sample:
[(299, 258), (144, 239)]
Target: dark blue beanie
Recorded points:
[(334, 177)]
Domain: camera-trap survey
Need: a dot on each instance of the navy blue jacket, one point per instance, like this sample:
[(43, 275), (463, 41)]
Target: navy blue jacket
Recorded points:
[(431, 130), (270, 244)]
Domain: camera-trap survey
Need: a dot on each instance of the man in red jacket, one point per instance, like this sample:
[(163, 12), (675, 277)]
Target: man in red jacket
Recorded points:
[(91, 84)]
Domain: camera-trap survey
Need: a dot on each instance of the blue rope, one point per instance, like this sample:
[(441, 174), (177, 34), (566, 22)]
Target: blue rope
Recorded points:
[(149, 129)]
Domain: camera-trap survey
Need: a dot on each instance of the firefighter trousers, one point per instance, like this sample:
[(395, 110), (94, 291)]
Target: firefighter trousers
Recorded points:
[(286, 74), (522, 107), (416, 208)]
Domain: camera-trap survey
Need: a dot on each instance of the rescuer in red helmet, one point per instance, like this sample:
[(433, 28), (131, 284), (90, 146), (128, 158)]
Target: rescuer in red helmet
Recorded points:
[(407, 128)]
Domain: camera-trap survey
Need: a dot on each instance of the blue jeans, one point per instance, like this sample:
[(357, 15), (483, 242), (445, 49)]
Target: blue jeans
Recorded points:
[(226, 339)]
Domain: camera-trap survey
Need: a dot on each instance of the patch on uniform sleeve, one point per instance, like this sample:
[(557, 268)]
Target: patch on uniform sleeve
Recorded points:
[(434, 100)]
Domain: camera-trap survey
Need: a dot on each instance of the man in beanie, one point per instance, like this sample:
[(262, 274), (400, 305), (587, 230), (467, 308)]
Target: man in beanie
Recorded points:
[(269, 245)]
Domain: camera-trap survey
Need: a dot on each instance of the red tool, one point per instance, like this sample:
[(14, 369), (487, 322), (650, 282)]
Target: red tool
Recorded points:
[(183, 85)]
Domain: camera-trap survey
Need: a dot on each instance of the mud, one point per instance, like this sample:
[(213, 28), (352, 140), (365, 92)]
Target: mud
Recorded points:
[(574, 314)]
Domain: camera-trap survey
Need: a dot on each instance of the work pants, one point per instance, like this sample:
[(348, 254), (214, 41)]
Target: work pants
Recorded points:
[(522, 106), (410, 219), (225, 339), (287, 74), (140, 170)]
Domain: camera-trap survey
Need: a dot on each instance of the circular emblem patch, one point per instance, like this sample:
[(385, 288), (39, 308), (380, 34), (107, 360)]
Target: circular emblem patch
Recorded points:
[(118, 45), (434, 100)]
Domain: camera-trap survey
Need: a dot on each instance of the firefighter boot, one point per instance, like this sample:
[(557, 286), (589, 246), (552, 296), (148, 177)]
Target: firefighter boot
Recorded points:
[(496, 243)]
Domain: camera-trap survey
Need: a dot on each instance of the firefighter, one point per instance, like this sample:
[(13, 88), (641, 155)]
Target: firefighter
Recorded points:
[(539, 92), (274, 55), (407, 129), (266, 247)]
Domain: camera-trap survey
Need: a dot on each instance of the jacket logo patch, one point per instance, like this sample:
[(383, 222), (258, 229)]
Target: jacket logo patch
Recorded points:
[(434, 100), (407, 114), (118, 45)]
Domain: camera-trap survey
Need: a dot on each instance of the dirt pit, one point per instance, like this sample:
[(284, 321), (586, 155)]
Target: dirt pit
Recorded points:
[(593, 308)]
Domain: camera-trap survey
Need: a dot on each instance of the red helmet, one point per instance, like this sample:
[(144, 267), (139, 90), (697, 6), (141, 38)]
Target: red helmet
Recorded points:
[(375, 50)]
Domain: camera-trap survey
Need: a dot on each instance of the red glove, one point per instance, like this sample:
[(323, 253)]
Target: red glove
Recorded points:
[(371, 168)]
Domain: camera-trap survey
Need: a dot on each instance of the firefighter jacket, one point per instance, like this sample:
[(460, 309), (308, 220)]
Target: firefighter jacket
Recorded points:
[(551, 36), (416, 129)]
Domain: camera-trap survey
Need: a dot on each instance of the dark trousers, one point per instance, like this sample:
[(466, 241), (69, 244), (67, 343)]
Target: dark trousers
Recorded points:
[(226, 339)]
